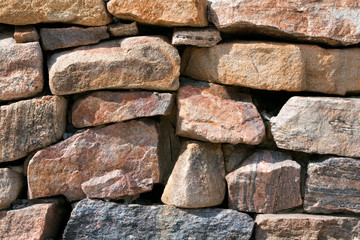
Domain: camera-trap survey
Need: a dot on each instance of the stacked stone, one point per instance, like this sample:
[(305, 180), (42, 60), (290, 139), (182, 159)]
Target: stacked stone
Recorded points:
[(101, 116)]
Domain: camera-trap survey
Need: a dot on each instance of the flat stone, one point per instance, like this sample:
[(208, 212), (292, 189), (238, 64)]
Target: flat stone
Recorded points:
[(198, 178), (275, 66), (333, 185), (305, 226), (91, 219), (111, 162), (105, 107), (123, 29), (24, 34), (21, 68), (329, 22), (323, 125), (200, 37), (57, 38), (11, 184), (167, 13), (135, 62), (234, 155), (29, 125), (266, 182), (20, 12), (218, 114)]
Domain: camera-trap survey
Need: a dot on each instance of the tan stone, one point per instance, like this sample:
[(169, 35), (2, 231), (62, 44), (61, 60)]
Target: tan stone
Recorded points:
[(200, 37), (123, 29), (135, 62), (168, 13), (24, 34), (11, 184)]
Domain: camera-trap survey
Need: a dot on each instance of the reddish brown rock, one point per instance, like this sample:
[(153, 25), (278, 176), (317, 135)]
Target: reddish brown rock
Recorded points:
[(234, 155), (266, 182), (200, 37), (111, 162), (123, 29), (105, 107), (29, 125), (24, 34), (11, 184), (218, 114)]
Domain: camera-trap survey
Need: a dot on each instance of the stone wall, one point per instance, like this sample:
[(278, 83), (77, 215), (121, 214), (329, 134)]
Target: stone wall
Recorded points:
[(179, 119)]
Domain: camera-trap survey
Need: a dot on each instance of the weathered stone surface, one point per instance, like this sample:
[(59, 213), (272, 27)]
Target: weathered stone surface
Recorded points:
[(30, 124), (111, 162), (24, 34), (105, 107), (11, 184), (39, 221), (200, 37), (211, 112), (198, 178), (275, 66), (20, 12), (234, 155), (323, 125), (123, 29), (333, 185), (135, 62), (21, 68), (305, 227), (266, 182), (115, 221), (168, 13), (331, 22), (56, 38)]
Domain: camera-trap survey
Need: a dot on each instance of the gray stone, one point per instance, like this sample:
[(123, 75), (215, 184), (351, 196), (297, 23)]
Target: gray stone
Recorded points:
[(234, 155), (11, 184), (123, 29)]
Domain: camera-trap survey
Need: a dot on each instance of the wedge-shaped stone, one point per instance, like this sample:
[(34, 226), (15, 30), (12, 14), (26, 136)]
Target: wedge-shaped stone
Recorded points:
[(218, 114), (111, 162), (91, 219), (200, 37), (11, 184), (234, 155), (305, 227), (275, 66), (135, 62), (29, 125), (24, 34), (322, 125), (333, 185), (168, 13)]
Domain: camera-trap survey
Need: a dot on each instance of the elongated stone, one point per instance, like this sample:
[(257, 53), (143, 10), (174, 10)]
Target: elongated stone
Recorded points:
[(135, 62), (24, 34), (323, 125), (200, 37), (123, 29), (11, 184)]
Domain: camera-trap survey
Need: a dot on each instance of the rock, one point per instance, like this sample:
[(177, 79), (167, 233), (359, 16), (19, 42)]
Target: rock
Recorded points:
[(56, 38), (24, 34), (218, 114), (135, 62), (200, 37), (39, 221), (266, 182), (111, 162), (323, 125), (21, 68), (167, 13), (329, 22), (115, 221), (198, 178), (123, 29), (234, 155), (275, 66), (20, 12), (29, 125), (11, 184), (105, 107), (305, 226), (333, 185)]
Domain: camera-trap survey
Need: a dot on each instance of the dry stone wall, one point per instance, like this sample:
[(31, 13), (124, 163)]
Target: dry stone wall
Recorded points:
[(179, 119)]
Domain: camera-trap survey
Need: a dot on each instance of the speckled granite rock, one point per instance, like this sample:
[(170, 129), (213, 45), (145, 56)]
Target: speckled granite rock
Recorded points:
[(11, 183), (200, 37), (24, 34)]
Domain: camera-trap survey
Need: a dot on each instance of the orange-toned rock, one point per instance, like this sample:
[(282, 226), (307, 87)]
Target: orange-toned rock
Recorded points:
[(24, 34), (11, 183)]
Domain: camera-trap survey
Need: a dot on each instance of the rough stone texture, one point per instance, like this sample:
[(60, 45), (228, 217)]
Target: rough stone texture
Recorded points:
[(30, 124), (266, 182), (114, 221), (333, 185), (218, 114), (331, 22), (305, 227), (21, 68), (200, 37), (39, 221), (323, 125), (111, 162), (198, 178), (20, 12), (56, 38), (234, 155), (168, 13), (24, 34), (11, 184), (123, 29), (135, 62), (105, 107), (275, 66)]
